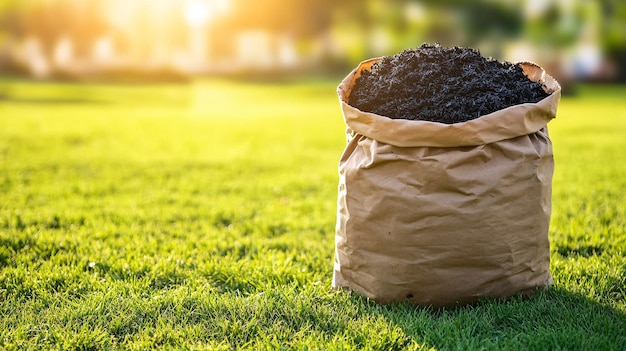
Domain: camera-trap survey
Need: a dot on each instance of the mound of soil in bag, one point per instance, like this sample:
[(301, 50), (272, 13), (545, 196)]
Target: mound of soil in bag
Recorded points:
[(439, 84)]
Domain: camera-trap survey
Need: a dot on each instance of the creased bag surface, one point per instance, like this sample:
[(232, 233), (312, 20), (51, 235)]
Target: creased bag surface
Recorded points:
[(444, 214)]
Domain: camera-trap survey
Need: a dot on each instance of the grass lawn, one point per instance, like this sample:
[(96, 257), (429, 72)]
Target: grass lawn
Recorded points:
[(201, 216)]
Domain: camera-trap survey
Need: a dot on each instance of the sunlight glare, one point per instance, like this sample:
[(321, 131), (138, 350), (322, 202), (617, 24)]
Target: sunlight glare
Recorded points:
[(200, 12)]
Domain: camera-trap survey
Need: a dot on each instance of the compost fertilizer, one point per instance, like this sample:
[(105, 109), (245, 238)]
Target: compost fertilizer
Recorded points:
[(439, 84)]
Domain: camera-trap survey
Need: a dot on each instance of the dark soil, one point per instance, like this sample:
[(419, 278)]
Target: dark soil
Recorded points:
[(439, 84)]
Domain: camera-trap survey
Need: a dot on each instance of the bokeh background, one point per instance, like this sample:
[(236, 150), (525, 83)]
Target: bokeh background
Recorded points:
[(177, 39)]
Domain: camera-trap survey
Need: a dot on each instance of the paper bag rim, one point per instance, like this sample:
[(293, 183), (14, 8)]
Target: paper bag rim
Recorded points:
[(504, 124)]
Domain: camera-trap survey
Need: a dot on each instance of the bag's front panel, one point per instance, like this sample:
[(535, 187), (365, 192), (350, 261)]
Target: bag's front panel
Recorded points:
[(444, 225)]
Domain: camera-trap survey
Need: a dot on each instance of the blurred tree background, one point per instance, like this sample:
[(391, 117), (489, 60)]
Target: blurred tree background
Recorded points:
[(574, 40)]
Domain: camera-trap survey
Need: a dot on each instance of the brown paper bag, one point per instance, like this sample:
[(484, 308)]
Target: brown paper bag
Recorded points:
[(445, 214)]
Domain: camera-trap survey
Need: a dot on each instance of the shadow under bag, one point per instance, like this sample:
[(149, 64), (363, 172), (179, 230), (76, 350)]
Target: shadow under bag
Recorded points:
[(445, 214)]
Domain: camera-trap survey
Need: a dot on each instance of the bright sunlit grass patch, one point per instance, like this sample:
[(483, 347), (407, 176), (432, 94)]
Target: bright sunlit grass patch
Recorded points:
[(201, 216)]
